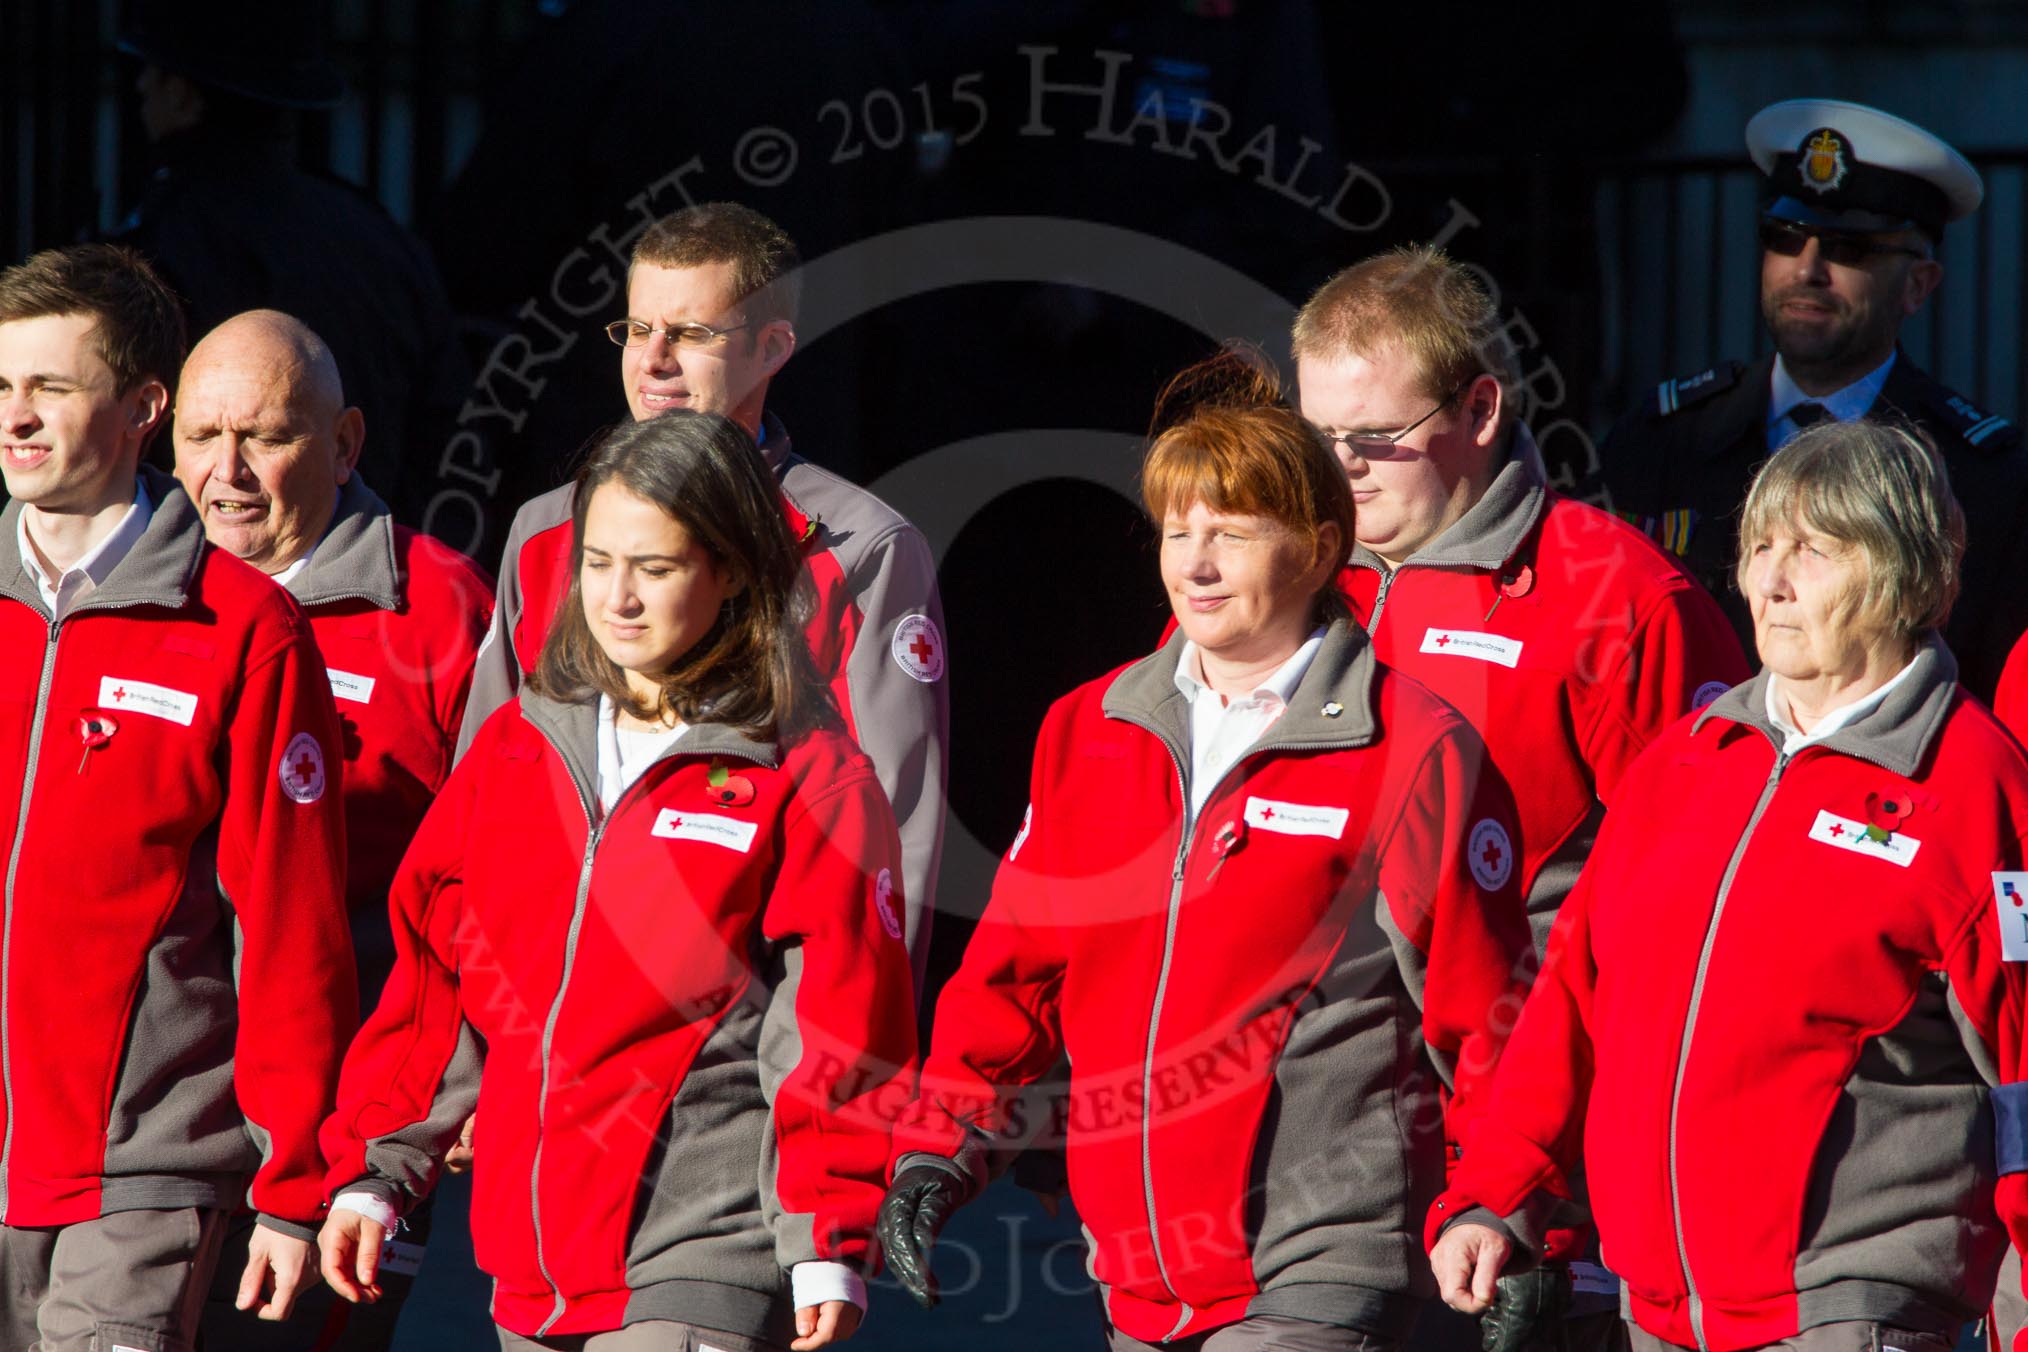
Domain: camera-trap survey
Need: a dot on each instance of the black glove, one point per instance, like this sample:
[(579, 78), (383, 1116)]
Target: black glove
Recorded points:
[(918, 1203), (1527, 1312)]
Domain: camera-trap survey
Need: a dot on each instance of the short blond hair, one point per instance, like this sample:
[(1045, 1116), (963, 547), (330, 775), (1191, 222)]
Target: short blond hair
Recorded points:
[(1420, 299), (1881, 487)]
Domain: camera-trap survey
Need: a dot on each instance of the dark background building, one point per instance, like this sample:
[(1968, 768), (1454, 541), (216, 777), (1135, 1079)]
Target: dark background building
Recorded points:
[(1020, 218)]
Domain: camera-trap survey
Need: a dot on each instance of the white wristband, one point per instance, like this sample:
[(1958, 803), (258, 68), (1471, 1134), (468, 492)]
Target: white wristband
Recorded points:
[(370, 1205), (816, 1282)]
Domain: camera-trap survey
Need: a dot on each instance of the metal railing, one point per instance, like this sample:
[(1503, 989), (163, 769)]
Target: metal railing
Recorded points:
[(73, 158), (1678, 263)]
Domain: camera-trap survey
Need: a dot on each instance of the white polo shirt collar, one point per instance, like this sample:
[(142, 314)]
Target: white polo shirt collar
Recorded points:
[(85, 576), (1794, 739), (1222, 730)]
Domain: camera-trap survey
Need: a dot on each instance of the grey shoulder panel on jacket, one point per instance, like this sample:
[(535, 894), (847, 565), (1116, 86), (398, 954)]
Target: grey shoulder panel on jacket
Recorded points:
[(541, 512), (853, 519)]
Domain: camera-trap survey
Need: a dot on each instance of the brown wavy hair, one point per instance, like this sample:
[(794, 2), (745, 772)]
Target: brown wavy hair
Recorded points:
[(751, 671)]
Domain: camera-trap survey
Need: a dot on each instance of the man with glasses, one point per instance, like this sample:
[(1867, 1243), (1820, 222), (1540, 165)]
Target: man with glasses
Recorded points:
[(711, 315), (1568, 640), (1856, 204)]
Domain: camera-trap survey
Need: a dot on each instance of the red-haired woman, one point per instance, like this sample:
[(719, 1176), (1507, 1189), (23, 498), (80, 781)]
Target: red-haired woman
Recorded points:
[(651, 925), (1245, 903)]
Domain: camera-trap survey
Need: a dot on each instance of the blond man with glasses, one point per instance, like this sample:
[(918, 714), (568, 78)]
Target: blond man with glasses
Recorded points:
[(1566, 639)]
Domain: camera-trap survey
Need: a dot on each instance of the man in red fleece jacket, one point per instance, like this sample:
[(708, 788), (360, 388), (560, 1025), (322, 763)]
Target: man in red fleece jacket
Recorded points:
[(175, 976), (1566, 638), (268, 450)]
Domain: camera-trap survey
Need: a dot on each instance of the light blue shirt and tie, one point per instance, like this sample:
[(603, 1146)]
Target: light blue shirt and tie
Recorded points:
[(1785, 396)]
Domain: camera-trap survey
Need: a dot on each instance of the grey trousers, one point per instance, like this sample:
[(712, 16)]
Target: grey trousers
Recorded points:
[(1263, 1333), (2010, 1311), (134, 1279), (651, 1335), (1852, 1335)]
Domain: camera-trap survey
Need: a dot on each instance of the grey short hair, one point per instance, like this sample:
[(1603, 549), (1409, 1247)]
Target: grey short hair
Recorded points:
[(1881, 487)]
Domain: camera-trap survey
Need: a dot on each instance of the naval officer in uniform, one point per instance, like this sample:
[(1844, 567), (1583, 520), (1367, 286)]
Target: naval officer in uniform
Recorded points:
[(1856, 201)]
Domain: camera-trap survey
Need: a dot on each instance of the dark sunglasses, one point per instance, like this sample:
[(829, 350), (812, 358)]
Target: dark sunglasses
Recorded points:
[(1833, 246)]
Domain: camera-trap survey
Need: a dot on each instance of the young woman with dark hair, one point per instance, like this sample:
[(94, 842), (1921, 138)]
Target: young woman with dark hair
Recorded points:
[(739, 658), (651, 927)]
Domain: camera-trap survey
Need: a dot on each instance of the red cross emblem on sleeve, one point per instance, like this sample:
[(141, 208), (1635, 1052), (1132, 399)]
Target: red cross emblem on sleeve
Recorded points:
[(302, 769), (1490, 853), (918, 649)]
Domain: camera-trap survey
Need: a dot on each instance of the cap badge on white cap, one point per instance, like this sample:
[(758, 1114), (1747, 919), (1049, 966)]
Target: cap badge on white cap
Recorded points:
[(1821, 165)]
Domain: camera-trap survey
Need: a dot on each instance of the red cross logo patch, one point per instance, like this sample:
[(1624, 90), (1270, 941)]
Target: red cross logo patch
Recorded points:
[(302, 769), (1708, 692), (1490, 852), (918, 648), (883, 902)]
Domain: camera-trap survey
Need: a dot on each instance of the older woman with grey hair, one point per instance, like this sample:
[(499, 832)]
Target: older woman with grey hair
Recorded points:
[(1782, 1016)]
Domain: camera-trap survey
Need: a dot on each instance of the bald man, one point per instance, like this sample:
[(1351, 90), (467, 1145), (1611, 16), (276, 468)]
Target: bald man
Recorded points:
[(268, 450)]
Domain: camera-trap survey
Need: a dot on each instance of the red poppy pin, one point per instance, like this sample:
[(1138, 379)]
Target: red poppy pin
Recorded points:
[(726, 788), (95, 728), (1885, 813), (1517, 582), (1224, 841)]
